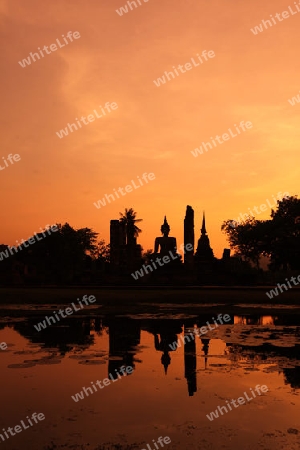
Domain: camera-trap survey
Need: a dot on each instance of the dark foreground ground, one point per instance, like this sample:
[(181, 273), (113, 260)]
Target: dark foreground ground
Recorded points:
[(123, 300)]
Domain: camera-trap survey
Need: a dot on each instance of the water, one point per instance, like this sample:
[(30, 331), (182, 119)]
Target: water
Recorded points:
[(169, 393)]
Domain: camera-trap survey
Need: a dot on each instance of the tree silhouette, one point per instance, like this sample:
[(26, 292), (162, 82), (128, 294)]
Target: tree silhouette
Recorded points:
[(102, 251), (147, 255), (244, 238), (129, 219), (278, 237), (284, 243), (60, 257)]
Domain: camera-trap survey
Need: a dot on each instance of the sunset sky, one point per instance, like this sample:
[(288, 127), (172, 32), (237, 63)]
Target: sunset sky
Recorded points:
[(154, 128)]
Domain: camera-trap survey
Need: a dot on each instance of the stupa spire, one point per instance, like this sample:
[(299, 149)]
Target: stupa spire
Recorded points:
[(203, 229)]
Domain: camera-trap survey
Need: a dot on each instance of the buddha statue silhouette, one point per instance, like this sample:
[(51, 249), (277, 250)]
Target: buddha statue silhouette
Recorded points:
[(165, 243)]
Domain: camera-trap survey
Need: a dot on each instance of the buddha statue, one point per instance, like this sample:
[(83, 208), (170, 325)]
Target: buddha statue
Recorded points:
[(165, 243)]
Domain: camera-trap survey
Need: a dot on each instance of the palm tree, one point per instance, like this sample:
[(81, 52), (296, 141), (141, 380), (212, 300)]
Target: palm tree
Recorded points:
[(129, 219)]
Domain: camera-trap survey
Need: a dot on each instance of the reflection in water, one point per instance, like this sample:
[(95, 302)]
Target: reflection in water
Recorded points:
[(158, 398), (255, 320), (248, 341), (205, 348), (252, 340), (63, 338), (190, 365), (124, 336), (164, 336)]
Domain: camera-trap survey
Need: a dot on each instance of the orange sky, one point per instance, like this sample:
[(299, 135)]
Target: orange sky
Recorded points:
[(154, 128)]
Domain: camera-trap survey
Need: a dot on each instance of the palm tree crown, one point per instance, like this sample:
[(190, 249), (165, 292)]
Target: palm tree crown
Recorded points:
[(129, 219)]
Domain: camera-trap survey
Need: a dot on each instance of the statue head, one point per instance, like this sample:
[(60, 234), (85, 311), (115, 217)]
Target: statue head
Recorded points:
[(165, 228)]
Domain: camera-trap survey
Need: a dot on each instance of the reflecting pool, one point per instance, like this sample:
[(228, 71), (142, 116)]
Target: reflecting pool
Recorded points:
[(178, 378)]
